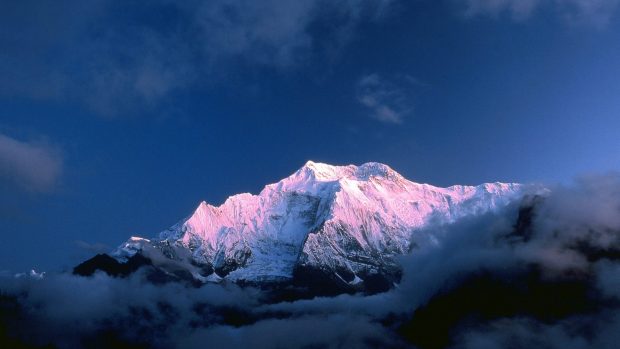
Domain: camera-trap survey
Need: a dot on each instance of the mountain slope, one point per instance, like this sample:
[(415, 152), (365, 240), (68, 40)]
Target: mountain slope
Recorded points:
[(345, 221)]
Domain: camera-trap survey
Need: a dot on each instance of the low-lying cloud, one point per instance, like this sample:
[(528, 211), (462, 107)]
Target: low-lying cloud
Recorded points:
[(541, 273)]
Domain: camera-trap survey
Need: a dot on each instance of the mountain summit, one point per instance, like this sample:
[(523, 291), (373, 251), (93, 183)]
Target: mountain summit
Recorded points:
[(345, 224)]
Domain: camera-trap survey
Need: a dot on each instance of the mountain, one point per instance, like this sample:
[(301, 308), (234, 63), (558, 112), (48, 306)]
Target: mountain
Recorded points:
[(324, 224)]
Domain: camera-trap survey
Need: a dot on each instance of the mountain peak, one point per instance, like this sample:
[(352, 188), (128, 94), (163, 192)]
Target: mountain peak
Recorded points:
[(341, 219), (315, 177), (376, 169), (322, 171), (325, 172)]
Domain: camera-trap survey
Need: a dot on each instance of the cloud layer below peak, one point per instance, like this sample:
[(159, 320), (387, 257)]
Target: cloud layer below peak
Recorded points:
[(541, 273)]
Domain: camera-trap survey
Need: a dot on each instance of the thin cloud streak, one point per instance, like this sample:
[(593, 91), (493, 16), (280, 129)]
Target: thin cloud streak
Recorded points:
[(590, 12)]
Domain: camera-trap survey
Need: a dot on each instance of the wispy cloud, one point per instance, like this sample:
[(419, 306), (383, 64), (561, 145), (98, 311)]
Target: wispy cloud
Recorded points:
[(34, 166), (277, 33), (85, 52), (591, 12), (387, 100)]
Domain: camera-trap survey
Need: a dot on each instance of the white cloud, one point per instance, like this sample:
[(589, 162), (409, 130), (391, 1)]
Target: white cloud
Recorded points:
[(29, 165), (387, 100), (592, 12), (118, 64), (276, 32), (517, 8), (595, 12)]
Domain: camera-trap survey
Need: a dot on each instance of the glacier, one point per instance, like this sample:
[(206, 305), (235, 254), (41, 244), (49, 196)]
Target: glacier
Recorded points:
[(349, 222)]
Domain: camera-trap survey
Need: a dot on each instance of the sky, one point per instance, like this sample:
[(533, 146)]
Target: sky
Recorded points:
[(117, 119)]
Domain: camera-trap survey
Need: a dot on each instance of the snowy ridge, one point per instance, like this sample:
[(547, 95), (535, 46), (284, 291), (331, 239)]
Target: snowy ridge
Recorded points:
[(333, 218)]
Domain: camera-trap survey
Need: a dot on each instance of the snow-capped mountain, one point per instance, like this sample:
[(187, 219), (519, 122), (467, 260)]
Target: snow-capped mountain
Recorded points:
[(345, 221)]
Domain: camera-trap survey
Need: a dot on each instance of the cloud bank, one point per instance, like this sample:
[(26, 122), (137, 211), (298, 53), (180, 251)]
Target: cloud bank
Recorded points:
[(542, 273)]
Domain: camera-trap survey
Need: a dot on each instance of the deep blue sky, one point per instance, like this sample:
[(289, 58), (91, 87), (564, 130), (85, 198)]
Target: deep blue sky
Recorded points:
[(116, 119)]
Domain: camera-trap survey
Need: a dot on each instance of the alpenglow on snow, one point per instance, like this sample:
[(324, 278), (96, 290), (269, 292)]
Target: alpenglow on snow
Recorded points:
[(347, 222)]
